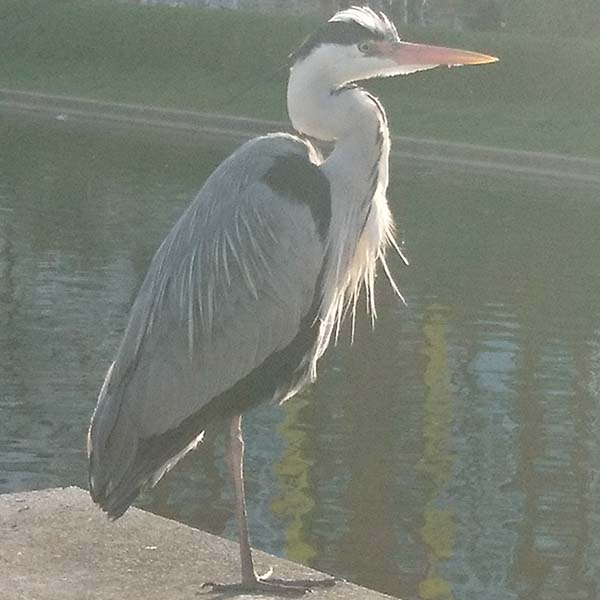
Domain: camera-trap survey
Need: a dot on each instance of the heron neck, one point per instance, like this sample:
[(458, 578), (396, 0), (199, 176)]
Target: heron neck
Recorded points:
[(322, 107), (361, 152), (361, 224), (357, 170), (358, 165), (346, 115)]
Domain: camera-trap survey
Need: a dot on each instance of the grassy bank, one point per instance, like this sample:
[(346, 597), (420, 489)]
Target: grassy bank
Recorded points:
[(541, 96)]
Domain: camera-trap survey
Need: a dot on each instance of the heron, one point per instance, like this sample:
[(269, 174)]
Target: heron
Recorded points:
[(246, 291)]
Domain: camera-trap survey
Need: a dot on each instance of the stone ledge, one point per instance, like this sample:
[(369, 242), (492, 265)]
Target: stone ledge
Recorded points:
[(191, 126), (57, 545)]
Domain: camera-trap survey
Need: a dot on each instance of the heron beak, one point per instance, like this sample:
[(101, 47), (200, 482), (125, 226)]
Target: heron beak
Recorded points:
[(421, 55)]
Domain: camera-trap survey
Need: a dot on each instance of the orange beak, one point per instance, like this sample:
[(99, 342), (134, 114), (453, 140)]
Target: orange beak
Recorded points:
[(421, 55)]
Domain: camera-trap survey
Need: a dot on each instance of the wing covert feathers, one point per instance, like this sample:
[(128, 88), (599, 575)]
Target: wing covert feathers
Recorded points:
[(232, 285)]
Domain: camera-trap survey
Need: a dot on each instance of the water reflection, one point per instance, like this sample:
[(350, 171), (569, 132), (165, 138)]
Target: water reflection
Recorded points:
[(452, 453), (438, 532)]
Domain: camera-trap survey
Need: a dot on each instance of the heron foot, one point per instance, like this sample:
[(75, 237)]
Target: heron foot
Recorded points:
[(270, 586)]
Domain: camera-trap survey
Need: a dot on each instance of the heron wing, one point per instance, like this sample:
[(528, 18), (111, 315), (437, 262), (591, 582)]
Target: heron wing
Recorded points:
[(229, 287)]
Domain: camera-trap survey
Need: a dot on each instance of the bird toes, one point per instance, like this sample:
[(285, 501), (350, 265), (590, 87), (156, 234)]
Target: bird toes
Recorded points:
[(270, 586)]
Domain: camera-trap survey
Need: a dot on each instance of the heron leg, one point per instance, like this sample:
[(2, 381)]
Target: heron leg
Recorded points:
[(251, 582), (236, 464)]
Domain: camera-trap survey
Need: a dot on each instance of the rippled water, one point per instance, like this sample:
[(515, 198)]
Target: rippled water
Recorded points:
[(453, 452)]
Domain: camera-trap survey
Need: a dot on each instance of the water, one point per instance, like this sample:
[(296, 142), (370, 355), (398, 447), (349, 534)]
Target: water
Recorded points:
[(453, 452)]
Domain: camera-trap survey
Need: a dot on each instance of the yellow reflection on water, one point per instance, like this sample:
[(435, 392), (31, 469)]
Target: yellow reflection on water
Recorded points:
[(294, 501), (439, 529)]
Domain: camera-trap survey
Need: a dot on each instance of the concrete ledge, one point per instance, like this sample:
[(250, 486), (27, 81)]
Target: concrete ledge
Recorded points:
[(412, 153), (55, 544)]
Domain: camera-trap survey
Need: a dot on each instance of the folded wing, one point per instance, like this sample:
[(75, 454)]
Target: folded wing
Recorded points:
[(223, 317)]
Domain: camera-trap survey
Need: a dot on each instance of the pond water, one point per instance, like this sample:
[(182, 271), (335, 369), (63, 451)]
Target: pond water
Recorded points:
[(451, 452)]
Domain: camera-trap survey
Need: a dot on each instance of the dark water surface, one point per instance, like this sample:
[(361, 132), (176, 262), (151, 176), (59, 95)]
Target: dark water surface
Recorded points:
[(453, 452)]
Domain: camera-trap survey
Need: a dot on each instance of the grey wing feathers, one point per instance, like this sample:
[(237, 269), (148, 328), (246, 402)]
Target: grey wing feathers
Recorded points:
[(229, 286)]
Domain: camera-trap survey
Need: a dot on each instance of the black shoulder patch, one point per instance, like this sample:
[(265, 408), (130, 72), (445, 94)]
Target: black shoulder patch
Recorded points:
[(302, 182)]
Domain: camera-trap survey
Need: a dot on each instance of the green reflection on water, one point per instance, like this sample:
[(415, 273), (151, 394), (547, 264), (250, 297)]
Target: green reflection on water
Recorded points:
[(439, 529), (294, 501)]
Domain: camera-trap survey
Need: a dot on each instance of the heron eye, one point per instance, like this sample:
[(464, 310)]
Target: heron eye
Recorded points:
[(366, 47)]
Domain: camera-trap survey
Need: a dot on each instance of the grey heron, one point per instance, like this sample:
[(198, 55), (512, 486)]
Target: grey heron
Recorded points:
[(244, 294)]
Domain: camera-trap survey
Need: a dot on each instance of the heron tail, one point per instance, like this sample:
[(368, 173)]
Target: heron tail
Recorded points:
[(112, 451), (121, 463)]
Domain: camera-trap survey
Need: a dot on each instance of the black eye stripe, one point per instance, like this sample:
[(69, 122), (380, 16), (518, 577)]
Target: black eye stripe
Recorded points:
[(337, 32), (343, 32)]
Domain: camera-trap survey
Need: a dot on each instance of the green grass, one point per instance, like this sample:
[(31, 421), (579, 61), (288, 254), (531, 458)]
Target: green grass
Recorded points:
[(542, 95)]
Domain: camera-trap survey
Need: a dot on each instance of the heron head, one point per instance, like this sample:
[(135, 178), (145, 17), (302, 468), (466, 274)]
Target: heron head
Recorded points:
[(359, 43)]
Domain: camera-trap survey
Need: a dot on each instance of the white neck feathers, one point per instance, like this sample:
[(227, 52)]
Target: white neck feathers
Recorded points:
[(321, 106)]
